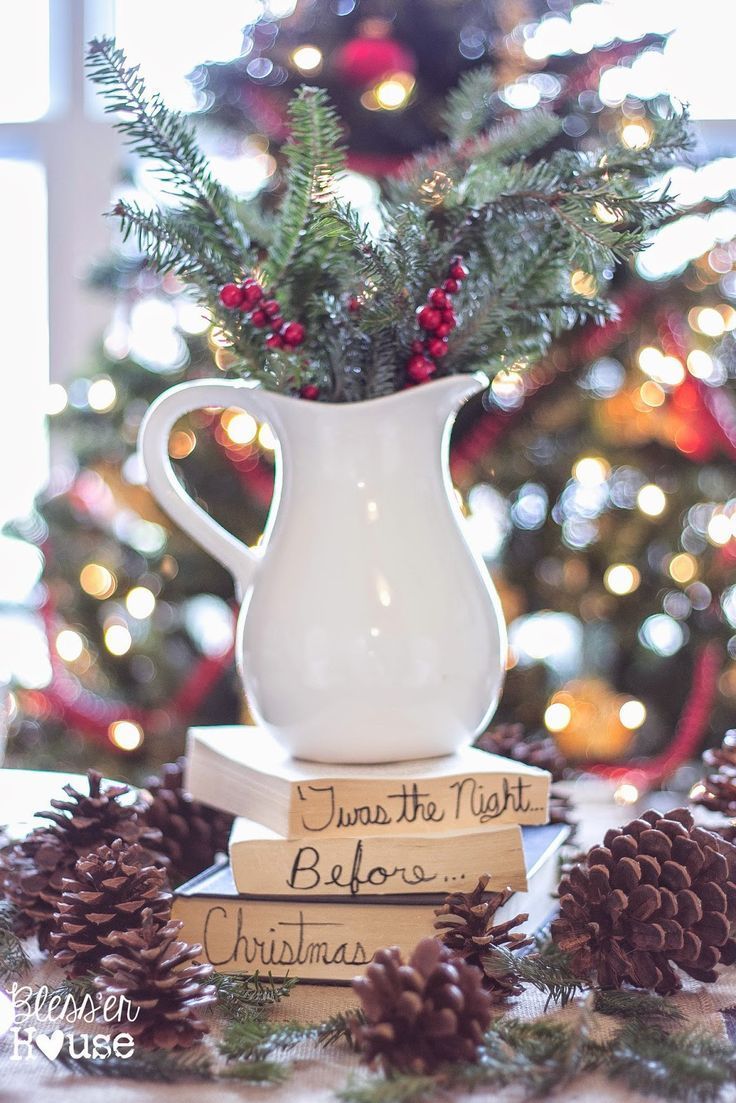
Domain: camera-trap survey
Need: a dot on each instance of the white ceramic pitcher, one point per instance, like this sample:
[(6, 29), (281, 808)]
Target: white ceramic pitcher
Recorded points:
[(369, 631)]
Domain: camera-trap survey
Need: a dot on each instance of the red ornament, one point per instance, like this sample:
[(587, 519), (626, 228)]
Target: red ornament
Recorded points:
[(420, 368), (270, 307), (437, 347), (457, 270), (310, 391), (428, 318), (274, 341), (252, 293), (437, 297), (259, 319), (363, 61), (231, 296), (293, 334), (276, 323), (451, 286), (353, 304)]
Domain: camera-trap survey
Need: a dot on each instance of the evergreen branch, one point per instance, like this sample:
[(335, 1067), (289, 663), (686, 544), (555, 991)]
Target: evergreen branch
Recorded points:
[(247, 996), (553, 977), (468, 105), (14, 960), (257, 1040), (165, 136), (692, 1067), (340, 1027), (640, 1008), (159, 1066), (314, 156), (402, 1088), (171, 245), (257, 1072)]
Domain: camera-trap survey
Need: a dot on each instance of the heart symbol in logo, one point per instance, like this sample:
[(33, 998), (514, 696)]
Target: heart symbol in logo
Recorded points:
[(50, 1045)]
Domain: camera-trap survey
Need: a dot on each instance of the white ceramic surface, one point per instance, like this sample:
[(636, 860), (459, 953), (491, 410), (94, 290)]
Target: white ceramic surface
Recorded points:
[(369, 630)]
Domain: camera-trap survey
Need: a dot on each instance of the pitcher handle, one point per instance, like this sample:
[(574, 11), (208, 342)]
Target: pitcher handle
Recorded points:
[(153, 445)]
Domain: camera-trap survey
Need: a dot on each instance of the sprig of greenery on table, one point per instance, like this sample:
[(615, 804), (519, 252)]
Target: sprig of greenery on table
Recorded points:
[(14, 960)]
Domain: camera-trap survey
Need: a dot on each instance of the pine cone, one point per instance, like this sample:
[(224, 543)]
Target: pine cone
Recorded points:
[(423, 1014), (717, 791), (32, 871), (466, 922), (658, 893), (193, 834), (107, 895), (156, 972), (511, 741)]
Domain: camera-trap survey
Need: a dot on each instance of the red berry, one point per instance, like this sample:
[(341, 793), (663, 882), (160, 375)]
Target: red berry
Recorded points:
[(419, 368), (274, 341), (442, 330), (428, 317), (252, 293), (231, 296), (457, 270), (259, 319), (417, 346), (449, 319), (276, 323), (451, 286), (293, 334), (270, 307), (438, 298), (437, 347), (310, 391), (353, 304)]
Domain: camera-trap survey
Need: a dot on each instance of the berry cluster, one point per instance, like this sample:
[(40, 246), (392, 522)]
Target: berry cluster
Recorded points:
[(250, 298), (437, 319)]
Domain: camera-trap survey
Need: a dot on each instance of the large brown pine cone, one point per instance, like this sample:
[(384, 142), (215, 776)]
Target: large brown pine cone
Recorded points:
[(465, 921), (658, 894), (107, 895), (717, 790), (158, 975), (424, 1013), (32, 871), (193, 834)]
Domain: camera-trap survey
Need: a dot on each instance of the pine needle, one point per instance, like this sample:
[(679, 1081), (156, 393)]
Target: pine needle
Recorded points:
[(14, 960)]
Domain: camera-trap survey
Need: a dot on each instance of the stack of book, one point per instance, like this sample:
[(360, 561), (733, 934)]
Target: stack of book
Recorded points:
[(329, 863)]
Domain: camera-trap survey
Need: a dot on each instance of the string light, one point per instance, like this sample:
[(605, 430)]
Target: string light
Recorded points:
[(626, 793), (632, 714), (97, 581), (181, 444), (651, 500), (508, 388), (583, 283), (719, 529), (621, 578), (118, 639), (636, 135), (240, 427), (651, 393), (266, 439), (700, 364), (710, 322), (140, 602), (605, 214), (56, 399), (69, 645), (125, 734), (591, 471), (307, 58), (102, 394), (557, 716), (393, 93), (683, 567)]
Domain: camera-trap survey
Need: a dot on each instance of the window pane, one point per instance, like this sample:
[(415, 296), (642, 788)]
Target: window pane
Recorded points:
[(24, 61), (24, 299)]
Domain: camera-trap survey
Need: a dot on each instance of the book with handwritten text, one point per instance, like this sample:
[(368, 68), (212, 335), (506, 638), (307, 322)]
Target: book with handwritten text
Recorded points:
[(243, 770), (332, 940), (264, 863)]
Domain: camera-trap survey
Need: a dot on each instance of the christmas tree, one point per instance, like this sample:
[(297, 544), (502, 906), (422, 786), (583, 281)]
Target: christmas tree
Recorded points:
[(139, 620)]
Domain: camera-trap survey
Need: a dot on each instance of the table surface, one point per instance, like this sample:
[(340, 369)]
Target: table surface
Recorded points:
[(318, 1074)]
